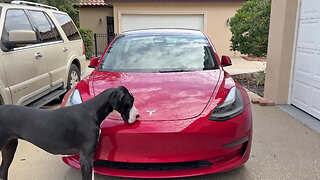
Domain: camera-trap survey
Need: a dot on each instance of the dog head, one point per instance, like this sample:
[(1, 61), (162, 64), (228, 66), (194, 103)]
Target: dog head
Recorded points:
[(122, 100)]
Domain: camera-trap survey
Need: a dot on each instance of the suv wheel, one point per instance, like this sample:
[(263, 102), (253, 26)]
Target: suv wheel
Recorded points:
[(73, 77)]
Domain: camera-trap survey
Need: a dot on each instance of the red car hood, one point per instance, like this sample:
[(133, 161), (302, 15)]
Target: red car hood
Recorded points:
[(162, 96)]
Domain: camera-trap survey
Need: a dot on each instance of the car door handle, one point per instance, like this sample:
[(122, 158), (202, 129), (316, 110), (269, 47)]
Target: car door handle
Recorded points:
[(38, 55), (64, 49)]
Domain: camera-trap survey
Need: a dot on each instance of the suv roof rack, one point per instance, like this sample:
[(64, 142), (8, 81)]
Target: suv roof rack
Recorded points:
[(34, 4)]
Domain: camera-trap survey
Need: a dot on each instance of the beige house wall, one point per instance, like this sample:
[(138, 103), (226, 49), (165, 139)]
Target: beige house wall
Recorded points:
[(281, 50), (216, 17), (89, 18)]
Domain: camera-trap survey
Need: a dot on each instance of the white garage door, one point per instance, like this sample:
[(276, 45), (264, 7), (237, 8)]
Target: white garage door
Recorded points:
[(142, 21), (306, 74)]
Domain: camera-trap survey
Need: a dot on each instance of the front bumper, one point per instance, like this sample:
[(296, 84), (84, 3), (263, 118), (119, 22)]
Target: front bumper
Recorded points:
[(166, 149)]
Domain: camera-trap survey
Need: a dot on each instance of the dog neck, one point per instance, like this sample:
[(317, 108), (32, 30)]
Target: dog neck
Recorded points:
[(101, 107)]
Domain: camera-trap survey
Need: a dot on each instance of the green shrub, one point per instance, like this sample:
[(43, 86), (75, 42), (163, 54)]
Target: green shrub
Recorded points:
[(260, 78), (87, 37), (250, 28), (62, 5)]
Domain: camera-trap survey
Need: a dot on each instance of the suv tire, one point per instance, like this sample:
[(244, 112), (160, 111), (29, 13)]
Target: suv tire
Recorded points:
[(73, 76)]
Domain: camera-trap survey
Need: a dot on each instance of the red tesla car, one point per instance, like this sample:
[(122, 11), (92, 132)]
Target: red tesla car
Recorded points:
[(194, 118)]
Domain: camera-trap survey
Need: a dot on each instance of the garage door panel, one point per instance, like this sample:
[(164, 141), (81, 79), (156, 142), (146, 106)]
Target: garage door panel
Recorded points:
[(306, 35), (316, 68), (304, 63), (143, 21), (310, 9), (315, 100), (304, 79), (306, 84), (316, 83), (300, 89)]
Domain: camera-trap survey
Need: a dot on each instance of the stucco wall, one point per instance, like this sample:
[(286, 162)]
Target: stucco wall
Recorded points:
[(217, 15), (280, 50), (89, 18)]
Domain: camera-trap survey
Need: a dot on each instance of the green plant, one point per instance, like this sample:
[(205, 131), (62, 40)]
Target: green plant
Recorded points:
[(63, 5), (260, 78), (87, 37), (250, 28)]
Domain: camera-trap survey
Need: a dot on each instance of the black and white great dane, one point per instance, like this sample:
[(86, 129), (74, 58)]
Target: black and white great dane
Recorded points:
[(65, 131)]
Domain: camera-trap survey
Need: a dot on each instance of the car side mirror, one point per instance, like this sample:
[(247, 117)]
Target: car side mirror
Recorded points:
[(94, 62), (20, 37), (225, 61)]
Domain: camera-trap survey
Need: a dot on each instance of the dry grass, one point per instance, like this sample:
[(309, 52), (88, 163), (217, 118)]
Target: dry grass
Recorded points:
[(249, 82)]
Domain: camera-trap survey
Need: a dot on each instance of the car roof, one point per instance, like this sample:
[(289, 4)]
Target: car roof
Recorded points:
[(163, 31)]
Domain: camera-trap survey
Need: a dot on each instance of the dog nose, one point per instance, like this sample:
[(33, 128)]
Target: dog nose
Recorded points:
[(137, 116)]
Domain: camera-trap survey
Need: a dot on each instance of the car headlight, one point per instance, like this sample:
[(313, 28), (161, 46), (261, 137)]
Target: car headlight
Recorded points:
[(231, 107), (74, 98)]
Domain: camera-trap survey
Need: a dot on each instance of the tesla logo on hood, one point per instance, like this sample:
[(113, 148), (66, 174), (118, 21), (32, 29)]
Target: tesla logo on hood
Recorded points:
[(150, 112)]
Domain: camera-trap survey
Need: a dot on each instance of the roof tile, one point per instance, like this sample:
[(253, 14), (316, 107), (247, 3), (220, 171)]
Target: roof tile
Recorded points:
[(84, 3)]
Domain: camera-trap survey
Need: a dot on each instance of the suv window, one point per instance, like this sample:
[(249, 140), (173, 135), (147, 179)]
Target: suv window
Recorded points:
[(48, 32), (16, 19), (68, 27)]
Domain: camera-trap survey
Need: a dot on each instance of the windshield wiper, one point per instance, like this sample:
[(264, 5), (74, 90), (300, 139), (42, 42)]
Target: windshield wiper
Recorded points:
[(210, 68), (175, 70)]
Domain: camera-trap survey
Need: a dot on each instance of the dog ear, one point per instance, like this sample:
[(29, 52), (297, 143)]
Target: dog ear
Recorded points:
[(115, 99), (123, 89)]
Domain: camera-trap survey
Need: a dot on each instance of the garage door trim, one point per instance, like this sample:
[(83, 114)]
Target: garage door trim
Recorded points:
[(294, 53)]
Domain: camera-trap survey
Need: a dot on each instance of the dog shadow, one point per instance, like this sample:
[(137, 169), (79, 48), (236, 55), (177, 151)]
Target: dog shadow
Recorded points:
[(54, 104)]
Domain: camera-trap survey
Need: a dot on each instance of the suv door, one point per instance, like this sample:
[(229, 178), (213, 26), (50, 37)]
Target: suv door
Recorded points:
[(25, 68), (55, 50), (73, 45)]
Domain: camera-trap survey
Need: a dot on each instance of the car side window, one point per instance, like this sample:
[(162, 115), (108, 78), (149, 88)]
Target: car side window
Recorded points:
[(48, 32), (68, 26), (16, 19)]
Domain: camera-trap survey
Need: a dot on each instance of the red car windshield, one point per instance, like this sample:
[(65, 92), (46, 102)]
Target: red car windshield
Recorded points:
[(159, 53)]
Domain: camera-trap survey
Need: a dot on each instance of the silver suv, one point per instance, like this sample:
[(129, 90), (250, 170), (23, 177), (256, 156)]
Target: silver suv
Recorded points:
[(41, 53)]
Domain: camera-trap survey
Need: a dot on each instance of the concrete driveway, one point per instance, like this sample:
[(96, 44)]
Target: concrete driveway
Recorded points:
[(283, 148), (240, 66)]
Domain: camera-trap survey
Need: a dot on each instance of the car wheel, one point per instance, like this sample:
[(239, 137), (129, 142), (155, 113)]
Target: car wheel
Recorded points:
[(73, 78)]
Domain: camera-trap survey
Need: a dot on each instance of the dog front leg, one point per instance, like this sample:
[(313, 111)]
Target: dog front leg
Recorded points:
[(86, 162), (8, 151)]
